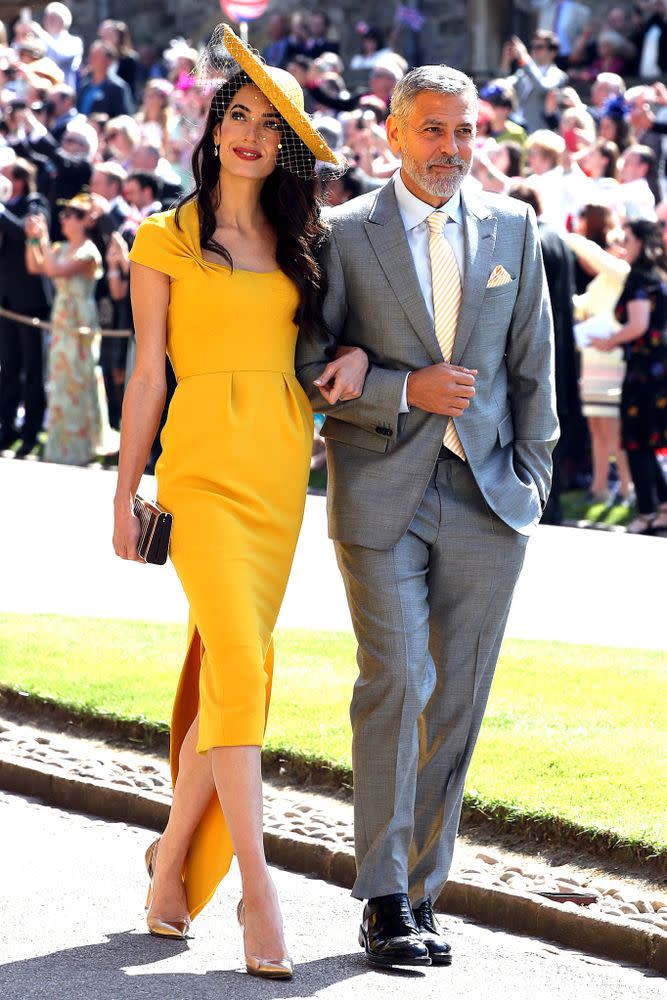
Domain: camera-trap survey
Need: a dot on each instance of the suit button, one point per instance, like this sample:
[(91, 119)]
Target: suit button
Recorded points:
[(386, 431)]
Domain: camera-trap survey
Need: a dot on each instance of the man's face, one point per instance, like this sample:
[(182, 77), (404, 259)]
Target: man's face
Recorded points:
[(617, 20), (97, 58), (132, 194), (632, 168), (382, 85), (276, 27), (601, 92), (436, 144), (541, 52), (318, 28), (538, 163), (99, 184)]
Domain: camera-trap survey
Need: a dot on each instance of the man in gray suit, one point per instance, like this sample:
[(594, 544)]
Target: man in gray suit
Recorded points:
[(437, 474)]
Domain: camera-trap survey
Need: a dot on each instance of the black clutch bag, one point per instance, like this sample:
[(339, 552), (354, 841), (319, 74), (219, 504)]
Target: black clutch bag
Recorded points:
[(153, 545)]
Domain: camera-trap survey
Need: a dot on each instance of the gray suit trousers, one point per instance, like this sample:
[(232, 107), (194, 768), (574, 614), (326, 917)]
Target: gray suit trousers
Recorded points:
[(429, 616)]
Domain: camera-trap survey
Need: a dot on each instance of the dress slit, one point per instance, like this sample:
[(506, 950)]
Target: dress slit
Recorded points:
[(211, 852)]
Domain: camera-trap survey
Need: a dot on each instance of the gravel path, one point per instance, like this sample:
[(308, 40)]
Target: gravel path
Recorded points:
[(328, 820)]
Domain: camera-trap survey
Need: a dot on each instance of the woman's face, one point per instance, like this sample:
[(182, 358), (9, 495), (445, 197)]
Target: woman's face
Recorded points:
[(154, 101), (596, 163), (249, 135), (633, 246), (72, 224), (607, 129), (500, 158)]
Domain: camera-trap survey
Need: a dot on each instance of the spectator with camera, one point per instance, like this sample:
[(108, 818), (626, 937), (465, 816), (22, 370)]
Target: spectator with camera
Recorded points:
[(535, 75)]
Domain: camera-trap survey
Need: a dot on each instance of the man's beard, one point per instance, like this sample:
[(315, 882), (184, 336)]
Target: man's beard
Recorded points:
[(438, 185)]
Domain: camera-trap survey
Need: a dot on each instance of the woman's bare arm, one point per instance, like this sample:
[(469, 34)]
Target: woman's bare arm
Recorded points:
[(144, 398)]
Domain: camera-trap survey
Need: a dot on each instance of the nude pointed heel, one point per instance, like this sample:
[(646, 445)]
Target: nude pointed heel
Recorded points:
[(265, 968), (157, 926)]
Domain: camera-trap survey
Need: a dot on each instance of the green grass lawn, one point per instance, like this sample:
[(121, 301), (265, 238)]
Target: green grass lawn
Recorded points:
[(576, 507), (576, 733)]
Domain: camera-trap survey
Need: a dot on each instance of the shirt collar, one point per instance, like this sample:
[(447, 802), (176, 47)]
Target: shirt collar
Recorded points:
[(414, 211)]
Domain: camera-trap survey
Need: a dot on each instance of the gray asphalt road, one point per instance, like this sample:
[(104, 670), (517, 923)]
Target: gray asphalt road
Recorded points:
[(72, 893)]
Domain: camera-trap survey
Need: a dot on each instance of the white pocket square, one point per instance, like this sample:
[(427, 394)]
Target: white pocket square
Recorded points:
[(499, 276)]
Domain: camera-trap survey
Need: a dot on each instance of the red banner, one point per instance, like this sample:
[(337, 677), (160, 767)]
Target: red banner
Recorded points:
[(244, 10)]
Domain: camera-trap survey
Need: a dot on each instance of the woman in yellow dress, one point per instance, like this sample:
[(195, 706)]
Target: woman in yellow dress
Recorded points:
[(224, 283)]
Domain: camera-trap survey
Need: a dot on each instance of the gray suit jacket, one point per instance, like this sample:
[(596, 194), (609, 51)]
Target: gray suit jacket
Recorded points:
[(380, 461)]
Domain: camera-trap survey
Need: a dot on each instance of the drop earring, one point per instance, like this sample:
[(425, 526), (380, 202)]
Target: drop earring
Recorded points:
[(216, 149)]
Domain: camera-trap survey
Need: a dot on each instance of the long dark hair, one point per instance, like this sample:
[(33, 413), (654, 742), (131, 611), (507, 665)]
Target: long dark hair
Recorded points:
[(652, 258), (291, 204), (599, 222)]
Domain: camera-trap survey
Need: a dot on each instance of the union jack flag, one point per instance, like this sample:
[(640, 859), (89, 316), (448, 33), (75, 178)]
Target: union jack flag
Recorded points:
[(410, 17), (244, 10)]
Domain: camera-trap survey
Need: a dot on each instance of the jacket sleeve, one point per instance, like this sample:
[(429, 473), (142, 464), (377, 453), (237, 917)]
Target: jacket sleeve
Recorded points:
[(530, 367), (377, 408)]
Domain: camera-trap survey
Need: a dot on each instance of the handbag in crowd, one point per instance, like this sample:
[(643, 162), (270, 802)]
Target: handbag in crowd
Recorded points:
[(153, 544)]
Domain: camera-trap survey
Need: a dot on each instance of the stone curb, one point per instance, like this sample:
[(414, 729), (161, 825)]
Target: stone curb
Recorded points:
[(321, 774), (519, 913)]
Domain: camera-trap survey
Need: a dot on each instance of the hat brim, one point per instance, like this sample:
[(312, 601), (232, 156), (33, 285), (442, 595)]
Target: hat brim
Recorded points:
[(295, 118)]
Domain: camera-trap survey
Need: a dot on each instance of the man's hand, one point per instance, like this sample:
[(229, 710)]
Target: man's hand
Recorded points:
[(444, 388)]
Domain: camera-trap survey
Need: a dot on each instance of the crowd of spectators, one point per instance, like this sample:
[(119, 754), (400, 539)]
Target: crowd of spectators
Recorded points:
[(94, 138)]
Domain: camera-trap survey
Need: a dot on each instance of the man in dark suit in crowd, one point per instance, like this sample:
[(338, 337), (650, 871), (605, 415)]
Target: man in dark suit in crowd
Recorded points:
[(21, 366), (103, 91), (63, 105), (559, 271)]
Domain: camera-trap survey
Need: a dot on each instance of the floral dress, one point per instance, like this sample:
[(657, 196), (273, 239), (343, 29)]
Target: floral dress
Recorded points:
[(644, 393), (74, 421)]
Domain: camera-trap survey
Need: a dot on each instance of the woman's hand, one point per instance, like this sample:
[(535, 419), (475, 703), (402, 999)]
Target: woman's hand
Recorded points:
[(602, 343), (126, 531), (343, 378)]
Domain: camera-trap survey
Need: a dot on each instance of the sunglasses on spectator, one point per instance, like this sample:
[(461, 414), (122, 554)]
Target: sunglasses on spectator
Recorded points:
[(538, 45), (69, 212)]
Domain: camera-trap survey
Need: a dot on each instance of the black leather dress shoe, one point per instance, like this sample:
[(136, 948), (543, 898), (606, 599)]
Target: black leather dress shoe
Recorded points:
[(388, 933), (438, 949)]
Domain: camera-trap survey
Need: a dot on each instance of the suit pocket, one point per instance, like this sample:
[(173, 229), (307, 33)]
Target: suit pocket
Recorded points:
[(505, 430), (339, 430), (497, 292)]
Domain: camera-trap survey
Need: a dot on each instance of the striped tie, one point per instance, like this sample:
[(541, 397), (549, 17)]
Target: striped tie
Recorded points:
[(446, 281)]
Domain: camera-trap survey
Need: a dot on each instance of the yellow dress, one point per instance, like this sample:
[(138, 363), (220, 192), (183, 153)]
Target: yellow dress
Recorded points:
[(233, 472)]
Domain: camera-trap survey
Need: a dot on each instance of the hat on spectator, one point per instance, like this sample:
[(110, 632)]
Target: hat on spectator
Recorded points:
[(81, 202), (388, 66), (225, 58)]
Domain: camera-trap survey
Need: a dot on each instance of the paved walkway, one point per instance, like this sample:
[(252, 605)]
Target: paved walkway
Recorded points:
[(55, 540), (73, 899)]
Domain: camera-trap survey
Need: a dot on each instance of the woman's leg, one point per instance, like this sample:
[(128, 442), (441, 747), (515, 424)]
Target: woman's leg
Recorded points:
[(624, 476), (600, 453), (238, 779), (192, 793), (642, 466)]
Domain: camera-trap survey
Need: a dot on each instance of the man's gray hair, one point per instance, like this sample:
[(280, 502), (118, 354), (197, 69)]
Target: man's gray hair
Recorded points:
[(441, 79)]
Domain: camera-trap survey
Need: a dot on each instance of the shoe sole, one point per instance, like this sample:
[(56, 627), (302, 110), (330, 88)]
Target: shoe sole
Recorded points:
[(444, 960), (387, 962)]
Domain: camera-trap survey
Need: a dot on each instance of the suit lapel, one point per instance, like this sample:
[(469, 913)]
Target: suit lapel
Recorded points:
[(479, 234), (386, 233)]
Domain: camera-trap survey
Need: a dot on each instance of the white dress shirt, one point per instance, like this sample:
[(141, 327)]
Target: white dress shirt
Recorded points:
[(414, 214)]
